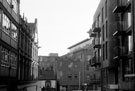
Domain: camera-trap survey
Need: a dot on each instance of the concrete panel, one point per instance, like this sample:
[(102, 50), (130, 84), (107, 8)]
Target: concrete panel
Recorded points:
[(13, 43), (7, 6), (15, 16), (5, 37)]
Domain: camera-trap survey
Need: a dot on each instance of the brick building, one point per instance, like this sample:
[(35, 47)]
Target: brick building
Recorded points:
[(48, 71), (73, 69), (113, 32)]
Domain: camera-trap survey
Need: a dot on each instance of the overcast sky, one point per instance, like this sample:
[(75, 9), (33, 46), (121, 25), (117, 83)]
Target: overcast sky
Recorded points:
[(61, 23)]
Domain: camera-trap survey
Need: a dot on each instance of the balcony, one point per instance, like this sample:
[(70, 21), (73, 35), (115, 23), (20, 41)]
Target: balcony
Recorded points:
[(129, 75), (121, 53), (93, 35), (97, 46), (94, 62), (119, 9), (97, 29), (119, 33)]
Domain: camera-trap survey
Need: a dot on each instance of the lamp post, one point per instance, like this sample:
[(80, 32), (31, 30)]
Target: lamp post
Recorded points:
[(79, 80)]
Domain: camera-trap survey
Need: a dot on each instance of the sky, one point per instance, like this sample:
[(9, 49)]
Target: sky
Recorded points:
[(61, 23)]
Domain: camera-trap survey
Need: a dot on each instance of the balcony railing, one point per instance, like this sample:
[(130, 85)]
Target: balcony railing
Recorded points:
[(97, 29), (97, 46), (119, 9), (94, 62), (93, 35), (119, 33), (122, 28), (121, 6), (121, 53)]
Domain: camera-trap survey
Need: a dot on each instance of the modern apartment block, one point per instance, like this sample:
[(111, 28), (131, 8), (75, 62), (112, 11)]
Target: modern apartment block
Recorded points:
[(9, 33), (73, 70), (125, 49), (113, 32)]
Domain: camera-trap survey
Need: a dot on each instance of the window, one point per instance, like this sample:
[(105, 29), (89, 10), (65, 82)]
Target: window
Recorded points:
[(15, 6), (100, 38), (76, 76), (13, 31), (128, 62), (97, 59), (100, 53), (103, 33), (129, 67), (13, 60), (130, 43), (106, 29), (103, 52), (106, 50), (70, 76), (103, 14), (6, 24), (0, 16), (99, 20), (5, 55), (127, 18), (106, 8)]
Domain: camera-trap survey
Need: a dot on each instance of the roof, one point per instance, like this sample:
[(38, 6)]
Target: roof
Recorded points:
[(78, 43)]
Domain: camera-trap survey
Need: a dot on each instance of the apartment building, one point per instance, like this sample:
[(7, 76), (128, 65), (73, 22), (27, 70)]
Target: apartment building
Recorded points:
[(113, 32), (9, 26), (73, 70), (125, 48)]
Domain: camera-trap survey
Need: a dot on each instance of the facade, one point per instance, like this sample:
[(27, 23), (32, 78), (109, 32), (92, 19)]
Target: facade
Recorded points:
[(28, 54), (125, 48), (47, 66), (9, 32), (18, 48), (113, 34), (34, 64), (73, 70), (48, 72)]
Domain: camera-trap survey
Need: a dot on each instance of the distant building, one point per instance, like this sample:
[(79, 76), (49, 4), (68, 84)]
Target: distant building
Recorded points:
[(47, 67), (73, 70)]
